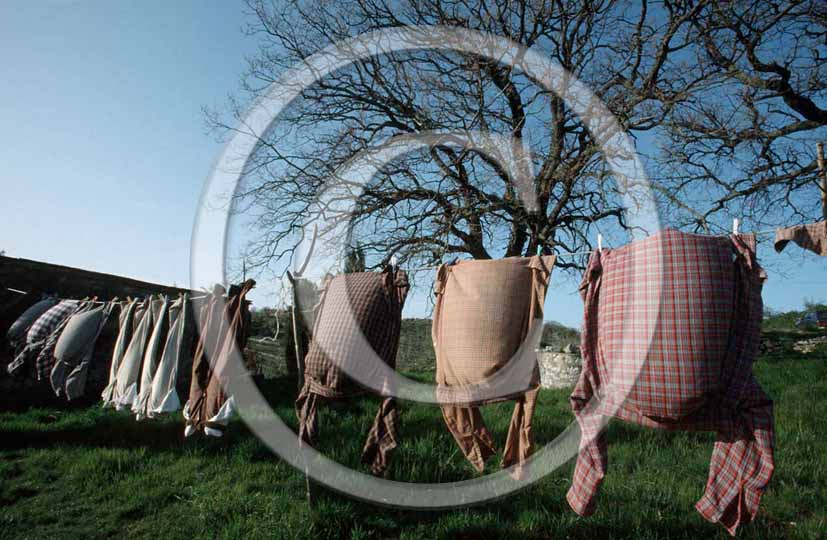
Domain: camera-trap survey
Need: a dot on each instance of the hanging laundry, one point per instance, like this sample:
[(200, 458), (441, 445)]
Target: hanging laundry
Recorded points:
[(46, 358), (695, 373), (359, 318), (74, 349), (12, 305), (129, 372), (125, 329), (487, 326), (223, 332), (152, 357), (163, 396), (210, 320), (812, 236), (39, 333), (16, 334)]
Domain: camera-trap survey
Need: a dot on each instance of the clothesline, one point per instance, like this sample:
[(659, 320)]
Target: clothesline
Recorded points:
[(573, 254), (18, 291), (424, 268)]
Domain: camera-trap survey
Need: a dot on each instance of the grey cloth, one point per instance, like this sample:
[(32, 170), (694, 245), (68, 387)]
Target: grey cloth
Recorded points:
[(73, 351), (17, 331)]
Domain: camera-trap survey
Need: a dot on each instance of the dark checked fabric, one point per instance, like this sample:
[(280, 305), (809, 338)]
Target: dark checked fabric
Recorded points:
[(359, 316), (222, 333), (678, 357), (125, 327), (484, 313), (38, 334), (74, 349), (12, 305), (812, 236)]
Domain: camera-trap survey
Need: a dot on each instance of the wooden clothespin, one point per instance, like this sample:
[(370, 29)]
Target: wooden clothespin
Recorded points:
[(599, 242), (539, 250), (394, 261), (736, 223)]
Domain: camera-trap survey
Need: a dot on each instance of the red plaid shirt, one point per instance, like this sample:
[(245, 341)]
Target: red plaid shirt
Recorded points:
[(671, 327)]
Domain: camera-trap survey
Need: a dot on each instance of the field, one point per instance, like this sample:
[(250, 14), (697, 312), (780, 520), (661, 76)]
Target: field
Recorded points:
[(91, 473)]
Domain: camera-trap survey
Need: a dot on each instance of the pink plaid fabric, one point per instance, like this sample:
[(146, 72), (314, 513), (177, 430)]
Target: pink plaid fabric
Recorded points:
[(812, 236), (677, 354)]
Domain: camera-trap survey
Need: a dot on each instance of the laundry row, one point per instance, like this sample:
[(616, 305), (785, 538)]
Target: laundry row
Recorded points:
[(54, 341), (671, 328), (147, 355)]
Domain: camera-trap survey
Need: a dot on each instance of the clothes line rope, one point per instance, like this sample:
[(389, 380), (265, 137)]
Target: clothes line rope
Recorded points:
[(573, 254), (426, 268), (18, 291)]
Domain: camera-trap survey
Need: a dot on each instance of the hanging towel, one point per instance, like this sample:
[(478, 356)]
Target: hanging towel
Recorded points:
[(152, 356), (812, 236), (38, 334), (695, 374), (125, 327), (74, 349), (356, 311), (163, 397), (16, 333), (210, 406), (489, 317), (129, 372)]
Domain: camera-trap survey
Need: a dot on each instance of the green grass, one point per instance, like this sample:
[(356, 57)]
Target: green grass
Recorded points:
[(93, 473)]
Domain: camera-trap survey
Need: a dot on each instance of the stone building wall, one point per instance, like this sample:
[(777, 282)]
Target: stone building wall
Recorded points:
[(559, 369)]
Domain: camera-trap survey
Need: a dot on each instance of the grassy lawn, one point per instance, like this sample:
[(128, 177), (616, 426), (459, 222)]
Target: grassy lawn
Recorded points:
[(91, 473)]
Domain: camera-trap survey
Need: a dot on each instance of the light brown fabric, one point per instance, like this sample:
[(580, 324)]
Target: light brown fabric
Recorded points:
[(485, 311), (812, 236)]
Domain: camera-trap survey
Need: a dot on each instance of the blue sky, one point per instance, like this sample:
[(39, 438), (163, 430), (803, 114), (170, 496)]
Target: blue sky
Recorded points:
[(104, 145)]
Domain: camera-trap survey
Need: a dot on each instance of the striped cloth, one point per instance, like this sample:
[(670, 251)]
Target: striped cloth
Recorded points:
[(671, 328), (812, 236), (210, 404), (353, 306), (487, 325), (125, 326)]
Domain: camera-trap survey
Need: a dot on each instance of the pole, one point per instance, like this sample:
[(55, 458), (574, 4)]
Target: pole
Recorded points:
[(300, 367), (823, 169)]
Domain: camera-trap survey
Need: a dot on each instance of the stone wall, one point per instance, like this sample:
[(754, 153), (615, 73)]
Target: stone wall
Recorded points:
[(559, 368)]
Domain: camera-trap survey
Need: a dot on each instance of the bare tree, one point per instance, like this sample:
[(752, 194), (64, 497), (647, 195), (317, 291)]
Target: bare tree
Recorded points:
[(744, 142), (653, 65)]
